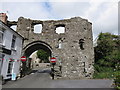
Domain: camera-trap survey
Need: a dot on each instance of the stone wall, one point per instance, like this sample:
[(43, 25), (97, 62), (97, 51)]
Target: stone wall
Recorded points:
[(76, 54)]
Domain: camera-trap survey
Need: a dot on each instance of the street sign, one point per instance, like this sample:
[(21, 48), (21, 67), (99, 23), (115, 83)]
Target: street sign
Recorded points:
[(23, 58), (53, 60)]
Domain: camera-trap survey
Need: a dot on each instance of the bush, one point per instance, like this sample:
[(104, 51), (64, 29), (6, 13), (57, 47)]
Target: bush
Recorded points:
[(102, 72), (103, 75), (117, 81), (107, 56)]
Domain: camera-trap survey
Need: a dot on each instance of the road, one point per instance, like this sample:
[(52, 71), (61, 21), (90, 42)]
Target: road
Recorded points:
[(43, 80)]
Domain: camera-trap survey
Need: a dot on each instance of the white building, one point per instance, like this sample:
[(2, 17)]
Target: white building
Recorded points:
[(10, 51)]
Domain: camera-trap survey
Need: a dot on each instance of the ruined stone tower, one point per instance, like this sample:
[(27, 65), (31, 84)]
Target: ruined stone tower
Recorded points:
[(73, 48)]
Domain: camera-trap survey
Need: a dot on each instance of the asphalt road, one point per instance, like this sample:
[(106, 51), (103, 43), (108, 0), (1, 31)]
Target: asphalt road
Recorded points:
[(43, 80)]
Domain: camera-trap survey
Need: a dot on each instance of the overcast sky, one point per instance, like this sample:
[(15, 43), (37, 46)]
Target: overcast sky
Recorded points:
[(103, 13)]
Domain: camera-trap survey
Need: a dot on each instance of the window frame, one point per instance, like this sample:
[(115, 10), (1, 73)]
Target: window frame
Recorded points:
[(10, 66), (13, 42), (1, 37)]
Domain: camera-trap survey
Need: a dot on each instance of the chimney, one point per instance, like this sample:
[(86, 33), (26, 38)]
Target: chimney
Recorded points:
[(3, 17)]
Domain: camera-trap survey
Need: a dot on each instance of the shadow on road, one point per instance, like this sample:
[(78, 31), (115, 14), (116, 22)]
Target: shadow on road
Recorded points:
[(41, 71), (44, 71)]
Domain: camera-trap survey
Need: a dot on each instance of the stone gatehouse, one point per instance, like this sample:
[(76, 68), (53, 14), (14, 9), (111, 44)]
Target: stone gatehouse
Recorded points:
[(73, 48)]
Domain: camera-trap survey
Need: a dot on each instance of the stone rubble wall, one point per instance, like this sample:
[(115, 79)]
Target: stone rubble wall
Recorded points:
[(76, 62)]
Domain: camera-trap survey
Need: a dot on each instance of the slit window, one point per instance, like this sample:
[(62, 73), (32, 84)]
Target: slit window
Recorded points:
[(60, 43), (81, 43), (84, 67)]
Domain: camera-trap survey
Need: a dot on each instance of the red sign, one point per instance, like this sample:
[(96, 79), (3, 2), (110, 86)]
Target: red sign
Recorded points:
[(23, 58), (53, 59)]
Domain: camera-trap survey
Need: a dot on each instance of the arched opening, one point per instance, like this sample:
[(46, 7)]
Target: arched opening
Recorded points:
[(33, 61), (37, 45)]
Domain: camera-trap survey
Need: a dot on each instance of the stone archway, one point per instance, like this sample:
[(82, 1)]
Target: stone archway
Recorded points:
[(29, 49), (36, 45), (72, 49)]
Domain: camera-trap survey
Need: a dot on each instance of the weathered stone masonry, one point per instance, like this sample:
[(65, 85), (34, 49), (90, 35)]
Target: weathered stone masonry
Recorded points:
[(76, 54)]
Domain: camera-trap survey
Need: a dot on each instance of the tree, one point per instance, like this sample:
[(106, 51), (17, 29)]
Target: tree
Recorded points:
[(107, 56), (107, 49), (43, 55)]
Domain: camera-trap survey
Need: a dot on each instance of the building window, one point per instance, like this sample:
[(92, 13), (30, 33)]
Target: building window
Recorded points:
[(10, 66), (1, 37), (13, 41), (1, 61)]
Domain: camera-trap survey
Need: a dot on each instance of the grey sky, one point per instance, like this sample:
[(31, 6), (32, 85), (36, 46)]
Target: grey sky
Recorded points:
[(103, 14)]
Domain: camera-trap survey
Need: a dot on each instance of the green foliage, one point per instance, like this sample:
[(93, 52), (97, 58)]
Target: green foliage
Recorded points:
[(99, 68), (117, 81), (107, 56), (106, 74), (107, 50), (102, 75), (41, 54)]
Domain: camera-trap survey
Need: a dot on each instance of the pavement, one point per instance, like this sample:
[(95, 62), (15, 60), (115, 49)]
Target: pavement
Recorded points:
[(42, 79)]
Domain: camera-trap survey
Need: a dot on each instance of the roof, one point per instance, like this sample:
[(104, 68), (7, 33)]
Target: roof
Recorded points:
[(12, 29)]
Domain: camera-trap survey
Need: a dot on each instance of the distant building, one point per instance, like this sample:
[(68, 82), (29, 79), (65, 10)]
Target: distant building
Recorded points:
[(10, 49), (38, 63)]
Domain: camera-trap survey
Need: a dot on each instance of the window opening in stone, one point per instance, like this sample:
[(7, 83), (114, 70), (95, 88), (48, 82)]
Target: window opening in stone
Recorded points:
[(60, 45), (60, 41), (84, 67), (81, 43), (38, 28), (60, 29), (14, 27)]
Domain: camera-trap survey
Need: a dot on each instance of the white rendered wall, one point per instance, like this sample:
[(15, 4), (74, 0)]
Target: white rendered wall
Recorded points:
[(15, 54)]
